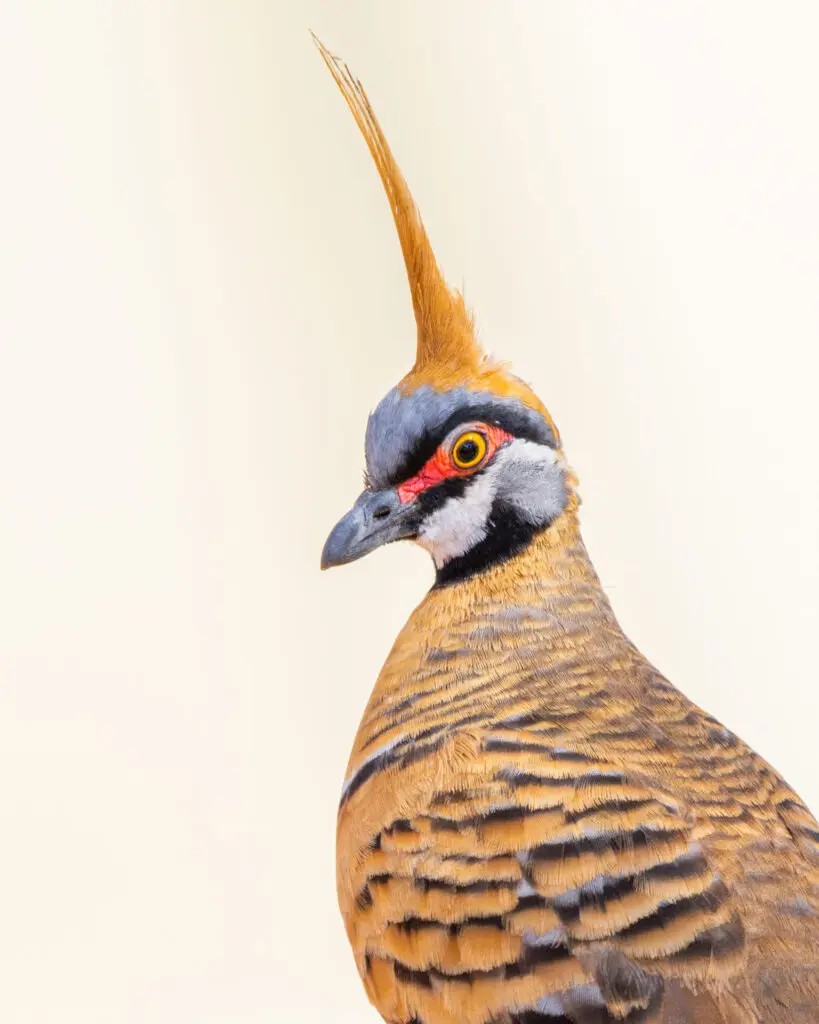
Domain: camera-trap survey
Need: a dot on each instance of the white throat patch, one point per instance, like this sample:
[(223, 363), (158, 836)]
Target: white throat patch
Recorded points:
[(460, 524)]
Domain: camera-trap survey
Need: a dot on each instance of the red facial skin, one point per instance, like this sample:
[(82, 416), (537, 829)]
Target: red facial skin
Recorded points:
[(441, 466)]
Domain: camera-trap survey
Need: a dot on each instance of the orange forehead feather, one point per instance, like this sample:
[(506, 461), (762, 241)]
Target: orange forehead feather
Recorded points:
[(448, 354)]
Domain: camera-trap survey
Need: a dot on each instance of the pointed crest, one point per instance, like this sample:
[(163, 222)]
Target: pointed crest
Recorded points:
[(448, 353), (446, 336)]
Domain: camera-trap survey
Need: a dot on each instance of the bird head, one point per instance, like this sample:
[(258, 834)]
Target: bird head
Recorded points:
[(461, 456)]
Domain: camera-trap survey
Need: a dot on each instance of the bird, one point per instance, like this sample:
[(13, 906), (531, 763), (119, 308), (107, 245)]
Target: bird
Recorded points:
[(535, 826)]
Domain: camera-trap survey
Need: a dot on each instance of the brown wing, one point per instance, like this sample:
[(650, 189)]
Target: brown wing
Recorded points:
[(541, 884)]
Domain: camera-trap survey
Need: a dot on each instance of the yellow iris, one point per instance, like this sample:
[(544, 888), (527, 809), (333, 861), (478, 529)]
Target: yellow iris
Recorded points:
[(469, 450)]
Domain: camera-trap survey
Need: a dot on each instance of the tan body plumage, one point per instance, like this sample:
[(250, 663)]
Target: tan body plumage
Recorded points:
[(535, 825), (520, 721)]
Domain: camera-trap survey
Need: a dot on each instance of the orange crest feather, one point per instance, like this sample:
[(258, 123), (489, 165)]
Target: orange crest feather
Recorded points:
[(448, 354)]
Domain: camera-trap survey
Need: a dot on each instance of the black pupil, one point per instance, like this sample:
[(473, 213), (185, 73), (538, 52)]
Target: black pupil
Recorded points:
[(467, 451)]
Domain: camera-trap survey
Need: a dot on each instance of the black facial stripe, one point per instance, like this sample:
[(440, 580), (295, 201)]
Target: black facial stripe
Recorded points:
[(507, 534), (509, 419), (433, 498)]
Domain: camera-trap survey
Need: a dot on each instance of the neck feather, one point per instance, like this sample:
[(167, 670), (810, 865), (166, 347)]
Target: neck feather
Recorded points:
[(520, 632), (552, 563)]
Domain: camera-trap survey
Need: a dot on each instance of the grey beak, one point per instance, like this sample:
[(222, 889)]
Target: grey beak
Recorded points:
[(377, 518)]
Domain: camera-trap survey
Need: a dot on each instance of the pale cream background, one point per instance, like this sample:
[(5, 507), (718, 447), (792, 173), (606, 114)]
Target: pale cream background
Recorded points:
[(201, 297)]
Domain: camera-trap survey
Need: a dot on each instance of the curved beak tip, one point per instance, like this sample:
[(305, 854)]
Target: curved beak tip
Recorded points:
[(377, 518), (336, 548), (327, 562)]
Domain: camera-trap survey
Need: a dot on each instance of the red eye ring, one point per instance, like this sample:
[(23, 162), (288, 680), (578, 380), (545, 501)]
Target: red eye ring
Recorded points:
[(443, 465)]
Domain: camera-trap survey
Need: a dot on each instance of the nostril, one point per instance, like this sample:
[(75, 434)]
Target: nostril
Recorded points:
[(381, 512)]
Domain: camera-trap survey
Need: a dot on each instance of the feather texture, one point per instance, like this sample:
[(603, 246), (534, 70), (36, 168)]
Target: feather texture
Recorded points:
[(537, 826)]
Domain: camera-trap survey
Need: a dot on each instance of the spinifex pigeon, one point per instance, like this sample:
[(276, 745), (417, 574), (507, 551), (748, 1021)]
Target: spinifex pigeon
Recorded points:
[(535, 825)]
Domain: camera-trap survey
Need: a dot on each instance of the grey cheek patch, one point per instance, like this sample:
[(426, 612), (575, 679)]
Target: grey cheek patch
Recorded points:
[(533, 479), (400, 421)]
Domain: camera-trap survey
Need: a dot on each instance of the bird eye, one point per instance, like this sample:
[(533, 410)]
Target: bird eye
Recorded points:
[(469, 450)]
